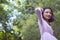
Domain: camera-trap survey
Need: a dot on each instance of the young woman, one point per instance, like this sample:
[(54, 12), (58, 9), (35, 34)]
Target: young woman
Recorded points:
[(45, 17)]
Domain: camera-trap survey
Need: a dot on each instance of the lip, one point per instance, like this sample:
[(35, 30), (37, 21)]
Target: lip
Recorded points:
[(49, 16)]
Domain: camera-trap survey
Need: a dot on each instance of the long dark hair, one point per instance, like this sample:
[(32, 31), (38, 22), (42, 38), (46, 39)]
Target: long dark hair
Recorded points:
[(52, 17)]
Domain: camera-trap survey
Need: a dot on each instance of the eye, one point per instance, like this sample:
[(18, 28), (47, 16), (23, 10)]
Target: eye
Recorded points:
[(46, 12)]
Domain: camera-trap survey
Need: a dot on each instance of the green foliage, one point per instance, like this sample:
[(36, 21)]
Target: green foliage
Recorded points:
[(1, 35), (51, 3), (30, 31), (56, 25), (26, 27), (3, 1), (3, 14)]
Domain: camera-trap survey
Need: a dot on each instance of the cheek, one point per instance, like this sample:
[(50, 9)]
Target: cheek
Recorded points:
[(44, 15)]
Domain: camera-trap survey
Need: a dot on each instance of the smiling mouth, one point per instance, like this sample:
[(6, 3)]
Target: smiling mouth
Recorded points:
[(49, 17)]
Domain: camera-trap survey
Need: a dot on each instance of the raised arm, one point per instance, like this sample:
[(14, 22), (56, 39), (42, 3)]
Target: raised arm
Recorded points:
[(38, 12)]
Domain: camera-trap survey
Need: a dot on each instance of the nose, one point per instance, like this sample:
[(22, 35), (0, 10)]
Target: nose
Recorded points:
[(49, 13)]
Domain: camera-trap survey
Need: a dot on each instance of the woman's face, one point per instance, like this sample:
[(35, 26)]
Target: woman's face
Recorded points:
[(47, 14)]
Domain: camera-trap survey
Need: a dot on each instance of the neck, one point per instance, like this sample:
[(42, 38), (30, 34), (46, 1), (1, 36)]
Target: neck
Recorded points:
[(48, 22)]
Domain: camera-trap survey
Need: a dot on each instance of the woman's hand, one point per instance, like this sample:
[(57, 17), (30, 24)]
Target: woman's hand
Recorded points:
[(38, 10)]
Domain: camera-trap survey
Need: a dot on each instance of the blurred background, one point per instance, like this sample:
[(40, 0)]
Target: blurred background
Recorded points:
[(18, 20)]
